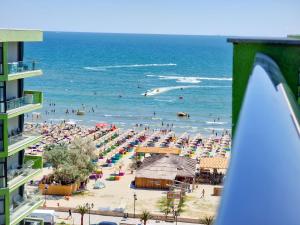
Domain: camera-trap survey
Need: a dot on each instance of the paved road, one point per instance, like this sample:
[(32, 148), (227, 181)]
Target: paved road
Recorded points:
[(94, 219)]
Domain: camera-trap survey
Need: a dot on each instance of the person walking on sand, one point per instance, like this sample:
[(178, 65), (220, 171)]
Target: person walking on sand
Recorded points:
[(203, 193), (70, 214)]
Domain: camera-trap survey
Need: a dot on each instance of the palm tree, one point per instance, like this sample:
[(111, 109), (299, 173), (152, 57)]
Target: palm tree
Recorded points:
[(145, 216), (181, 204), (165, 206), (208, 220), (82, 209)]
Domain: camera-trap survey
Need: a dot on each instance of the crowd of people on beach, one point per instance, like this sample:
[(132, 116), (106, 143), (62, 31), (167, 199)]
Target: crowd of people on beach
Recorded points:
[(52, 109), (63, 132)]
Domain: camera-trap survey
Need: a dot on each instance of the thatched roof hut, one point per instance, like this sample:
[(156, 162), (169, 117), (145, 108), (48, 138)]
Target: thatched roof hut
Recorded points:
[(214, 163), (160, 171)]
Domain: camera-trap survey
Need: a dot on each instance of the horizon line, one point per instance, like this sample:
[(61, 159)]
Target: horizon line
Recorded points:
[(140, 33), (167, 34)]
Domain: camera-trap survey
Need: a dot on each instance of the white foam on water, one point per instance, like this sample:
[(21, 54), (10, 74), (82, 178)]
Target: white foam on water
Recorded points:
[(108, 115), (75, 120), (102, 68), (156, 118), (216, 86), (182, 127), (215, 129), (97, 68), (215, 122), (160, 90), (216, 78), (190, 79), (97, 121), (56, 120), (164, 100), (120, 123)]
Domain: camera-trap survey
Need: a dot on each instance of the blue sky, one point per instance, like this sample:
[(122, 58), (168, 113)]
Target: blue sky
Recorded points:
[(207, 17)]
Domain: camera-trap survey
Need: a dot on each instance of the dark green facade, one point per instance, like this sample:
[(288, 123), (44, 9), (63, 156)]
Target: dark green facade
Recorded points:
[(17, 169), (285, 52)]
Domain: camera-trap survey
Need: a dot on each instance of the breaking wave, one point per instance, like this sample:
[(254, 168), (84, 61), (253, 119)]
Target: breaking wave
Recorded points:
[(190, 79), (157, 91), (216, 123), (102, 68), (215, 129)]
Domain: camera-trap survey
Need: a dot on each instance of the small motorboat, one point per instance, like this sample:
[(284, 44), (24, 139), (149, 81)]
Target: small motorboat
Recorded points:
[(183, 114), (80, 113)]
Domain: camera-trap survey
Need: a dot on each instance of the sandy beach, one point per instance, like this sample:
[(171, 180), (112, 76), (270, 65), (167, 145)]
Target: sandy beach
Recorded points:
[(118, 195)]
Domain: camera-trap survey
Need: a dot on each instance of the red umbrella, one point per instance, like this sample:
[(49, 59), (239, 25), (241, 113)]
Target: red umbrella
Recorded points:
[(101, 125)]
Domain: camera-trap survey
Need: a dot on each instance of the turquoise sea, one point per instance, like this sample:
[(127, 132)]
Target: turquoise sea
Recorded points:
[(109, 74)]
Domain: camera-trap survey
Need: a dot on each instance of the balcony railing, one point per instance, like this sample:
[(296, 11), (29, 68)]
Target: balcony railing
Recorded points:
[(19, 102), (22, 66), (20, 138), (30, 97), (23, 205), (16, 175)]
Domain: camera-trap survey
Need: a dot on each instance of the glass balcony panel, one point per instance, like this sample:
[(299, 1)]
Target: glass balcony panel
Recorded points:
[(19, 102), (16, 175), (21, 138), (22, 205), (22, 66)]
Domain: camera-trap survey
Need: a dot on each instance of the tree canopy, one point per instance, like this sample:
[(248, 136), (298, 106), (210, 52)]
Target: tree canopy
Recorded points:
[(73, 162)]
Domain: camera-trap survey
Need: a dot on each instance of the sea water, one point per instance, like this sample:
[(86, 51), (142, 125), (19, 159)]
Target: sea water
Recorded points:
[(107, 76)]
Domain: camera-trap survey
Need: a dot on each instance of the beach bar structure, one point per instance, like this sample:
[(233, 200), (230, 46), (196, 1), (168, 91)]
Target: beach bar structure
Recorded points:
[(214, 163), (158, 150), (16, 170), (161, 171), (285, 52)]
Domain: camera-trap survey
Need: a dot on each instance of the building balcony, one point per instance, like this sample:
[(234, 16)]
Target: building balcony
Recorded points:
[(23, 69), (21, 207), (18, 177), (22, 140), (31, 100)]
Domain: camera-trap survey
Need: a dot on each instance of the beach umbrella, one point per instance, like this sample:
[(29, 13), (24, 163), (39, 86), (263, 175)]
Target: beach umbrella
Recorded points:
[(101, 125)]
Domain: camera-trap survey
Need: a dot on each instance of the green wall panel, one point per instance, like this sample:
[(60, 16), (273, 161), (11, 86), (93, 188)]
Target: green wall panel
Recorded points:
[(38, 161), (286, 56)]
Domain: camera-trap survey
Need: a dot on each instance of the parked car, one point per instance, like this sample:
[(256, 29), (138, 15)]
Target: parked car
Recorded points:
[(107, 223)]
